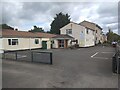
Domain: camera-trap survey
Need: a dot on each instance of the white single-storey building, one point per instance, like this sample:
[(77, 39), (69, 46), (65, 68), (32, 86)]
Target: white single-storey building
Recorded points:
[(19, 40), (22, 40)]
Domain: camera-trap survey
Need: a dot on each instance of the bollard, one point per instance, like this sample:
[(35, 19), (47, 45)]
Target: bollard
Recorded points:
[(31, 56), (3, 55), (16, 55), (51, 62), (114, 64), (119, 65), (118, 59)]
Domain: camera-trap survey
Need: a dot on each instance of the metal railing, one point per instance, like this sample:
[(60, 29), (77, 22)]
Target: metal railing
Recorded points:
[(42, 57), (29, 55), (116, 60)]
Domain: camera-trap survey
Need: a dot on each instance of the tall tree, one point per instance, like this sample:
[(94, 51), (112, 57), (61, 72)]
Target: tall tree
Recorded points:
[(112, 36), (36, 29), (5, 26), (59, 21)]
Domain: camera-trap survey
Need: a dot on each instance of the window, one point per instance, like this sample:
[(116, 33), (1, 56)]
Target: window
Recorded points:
[(96, 38), (9, 42), (61, 43), (36, 41), (12, 41), (87, 31), (93, 32), (96, 31), (68, 31), (52, 42)]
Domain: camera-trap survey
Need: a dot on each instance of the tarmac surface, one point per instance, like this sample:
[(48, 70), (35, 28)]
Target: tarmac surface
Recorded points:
[(78, 68)]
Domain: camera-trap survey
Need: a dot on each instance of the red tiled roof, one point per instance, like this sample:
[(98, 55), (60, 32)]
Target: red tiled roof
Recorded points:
[(25, 34), (45, 35)]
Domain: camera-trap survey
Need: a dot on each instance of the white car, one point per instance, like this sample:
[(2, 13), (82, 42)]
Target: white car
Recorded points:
[(114, 44)]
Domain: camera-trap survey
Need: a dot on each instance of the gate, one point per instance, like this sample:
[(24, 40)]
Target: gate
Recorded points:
[(29, 56), (42, 57)]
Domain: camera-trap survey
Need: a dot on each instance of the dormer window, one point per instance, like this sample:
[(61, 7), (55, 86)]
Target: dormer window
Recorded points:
[(68, 31)]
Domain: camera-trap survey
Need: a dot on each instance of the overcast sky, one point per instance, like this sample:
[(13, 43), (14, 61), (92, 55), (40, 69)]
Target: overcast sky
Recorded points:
[(24, 15)]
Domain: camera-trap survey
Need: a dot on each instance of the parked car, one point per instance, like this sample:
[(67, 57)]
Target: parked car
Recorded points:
[(114, 44)]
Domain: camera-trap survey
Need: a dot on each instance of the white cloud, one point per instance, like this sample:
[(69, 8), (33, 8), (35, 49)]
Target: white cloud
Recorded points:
[(26, 14)]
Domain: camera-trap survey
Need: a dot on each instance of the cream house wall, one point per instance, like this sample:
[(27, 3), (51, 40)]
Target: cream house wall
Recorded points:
[(23, 43), (32, 43), (76, 30), (79, 33), (89, 38), (98, 35), (63, 29), (55, 44), (1, 46), (93, 26), (69, 43), (82, 37), (10, 47)]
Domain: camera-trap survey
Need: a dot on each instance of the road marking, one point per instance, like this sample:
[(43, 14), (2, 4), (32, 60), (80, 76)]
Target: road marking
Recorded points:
[(101, 58), (107, 52), (94, 54)]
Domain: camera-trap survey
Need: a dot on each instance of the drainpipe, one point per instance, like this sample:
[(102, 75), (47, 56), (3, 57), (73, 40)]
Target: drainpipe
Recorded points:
[(29, 44), (95, 35)]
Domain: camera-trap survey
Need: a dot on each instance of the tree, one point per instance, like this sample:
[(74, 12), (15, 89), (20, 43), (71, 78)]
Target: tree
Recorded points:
[(59, 21), (112, 36), (5, 26), (36, 29)]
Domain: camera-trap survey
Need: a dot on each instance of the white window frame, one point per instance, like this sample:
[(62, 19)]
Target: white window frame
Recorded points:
[(68, 31), (93, 32), (61, 43), (12, 41), (36, 41), (87, 31)]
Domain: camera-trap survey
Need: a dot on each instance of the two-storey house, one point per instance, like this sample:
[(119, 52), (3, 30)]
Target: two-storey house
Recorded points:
[(85, 36), (97, 30)]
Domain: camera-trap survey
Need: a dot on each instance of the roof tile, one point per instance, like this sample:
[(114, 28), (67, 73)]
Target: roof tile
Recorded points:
[(25, 34)]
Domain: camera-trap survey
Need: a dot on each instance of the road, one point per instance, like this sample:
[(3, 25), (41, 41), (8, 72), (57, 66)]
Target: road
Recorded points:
[(80, 68)]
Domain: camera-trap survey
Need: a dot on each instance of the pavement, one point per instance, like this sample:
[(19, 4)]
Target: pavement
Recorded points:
[(77, 68)]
